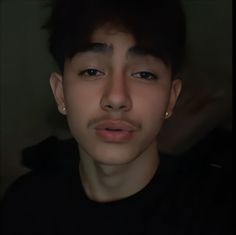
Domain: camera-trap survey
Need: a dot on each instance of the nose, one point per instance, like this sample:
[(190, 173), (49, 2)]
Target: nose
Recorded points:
[(116, 95)]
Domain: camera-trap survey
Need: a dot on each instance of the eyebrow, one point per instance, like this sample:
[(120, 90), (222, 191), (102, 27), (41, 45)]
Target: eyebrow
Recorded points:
[(156, 53), (142, 51), (97, 47)]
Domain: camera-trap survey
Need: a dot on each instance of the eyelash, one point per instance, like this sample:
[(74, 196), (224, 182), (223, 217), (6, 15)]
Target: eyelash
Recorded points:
[(141, 75), (148, 75), (87, 72)]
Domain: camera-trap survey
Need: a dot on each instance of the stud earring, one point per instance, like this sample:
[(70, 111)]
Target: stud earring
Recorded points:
[(167, 114), (63, 108)]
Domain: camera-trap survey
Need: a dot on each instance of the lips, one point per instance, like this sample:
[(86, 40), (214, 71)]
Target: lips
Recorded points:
[(111, 125), (115, 131)]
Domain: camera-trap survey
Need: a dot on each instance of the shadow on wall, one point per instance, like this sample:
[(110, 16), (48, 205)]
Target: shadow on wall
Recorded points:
[(206, 101)]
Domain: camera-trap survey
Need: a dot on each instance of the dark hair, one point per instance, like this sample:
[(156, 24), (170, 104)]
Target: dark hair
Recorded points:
[(158, 26)]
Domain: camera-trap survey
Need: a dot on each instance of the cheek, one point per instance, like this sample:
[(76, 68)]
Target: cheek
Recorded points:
[(151, 107), (153, 114), (79, 97), (82, 104), (152, 102)]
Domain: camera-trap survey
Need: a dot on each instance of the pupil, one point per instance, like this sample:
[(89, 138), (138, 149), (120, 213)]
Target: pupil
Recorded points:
[(144, 74), (92, 72)]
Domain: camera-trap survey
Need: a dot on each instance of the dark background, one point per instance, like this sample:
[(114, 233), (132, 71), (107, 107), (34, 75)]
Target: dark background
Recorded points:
[(28, 113)]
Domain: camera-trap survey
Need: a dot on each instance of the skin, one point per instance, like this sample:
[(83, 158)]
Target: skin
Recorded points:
[(110, 84)]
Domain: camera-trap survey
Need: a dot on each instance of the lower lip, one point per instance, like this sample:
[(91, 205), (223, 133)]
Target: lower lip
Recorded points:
[(114, 136)]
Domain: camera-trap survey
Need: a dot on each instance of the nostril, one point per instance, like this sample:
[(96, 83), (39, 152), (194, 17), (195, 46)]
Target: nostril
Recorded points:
[(122, 107), (115, 105), (109, 107)]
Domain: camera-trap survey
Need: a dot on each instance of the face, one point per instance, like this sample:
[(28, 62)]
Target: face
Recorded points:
[(116, 98)]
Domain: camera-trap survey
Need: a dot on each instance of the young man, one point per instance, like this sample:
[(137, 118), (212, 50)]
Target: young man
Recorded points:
[(118, 83)]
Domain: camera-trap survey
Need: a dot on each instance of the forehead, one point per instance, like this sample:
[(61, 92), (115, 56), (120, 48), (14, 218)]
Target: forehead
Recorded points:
[(108, 40), (107, 32)]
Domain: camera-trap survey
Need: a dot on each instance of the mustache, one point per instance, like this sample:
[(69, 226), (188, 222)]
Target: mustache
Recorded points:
[(95, 121)]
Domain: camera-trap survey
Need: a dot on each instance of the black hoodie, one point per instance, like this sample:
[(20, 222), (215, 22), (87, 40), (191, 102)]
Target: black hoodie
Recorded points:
[(187, 196)]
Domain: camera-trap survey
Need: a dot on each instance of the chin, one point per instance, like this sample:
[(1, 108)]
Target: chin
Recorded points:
[(112, 154)]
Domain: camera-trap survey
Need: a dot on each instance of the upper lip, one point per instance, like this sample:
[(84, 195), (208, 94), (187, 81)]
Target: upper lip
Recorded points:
[(115, 125)]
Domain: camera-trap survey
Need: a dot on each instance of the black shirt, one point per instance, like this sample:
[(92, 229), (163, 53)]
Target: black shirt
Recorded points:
[(184, 197)]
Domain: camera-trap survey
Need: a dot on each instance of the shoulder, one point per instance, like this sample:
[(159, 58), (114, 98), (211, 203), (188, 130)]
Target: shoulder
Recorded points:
[(207, 198), (50, 162), (51, 154), (201, 198), (33, 202), (33, 190), (39, 193)]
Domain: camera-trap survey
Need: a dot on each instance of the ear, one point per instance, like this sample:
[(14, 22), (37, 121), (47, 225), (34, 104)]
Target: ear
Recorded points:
[(176, 87), (57, 89)]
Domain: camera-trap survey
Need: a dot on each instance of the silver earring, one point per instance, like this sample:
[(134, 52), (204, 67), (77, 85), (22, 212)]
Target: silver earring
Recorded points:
[(63, 108), (167, 114)]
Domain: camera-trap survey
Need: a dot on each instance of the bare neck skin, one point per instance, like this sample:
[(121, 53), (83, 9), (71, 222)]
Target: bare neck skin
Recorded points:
[(104, 183)]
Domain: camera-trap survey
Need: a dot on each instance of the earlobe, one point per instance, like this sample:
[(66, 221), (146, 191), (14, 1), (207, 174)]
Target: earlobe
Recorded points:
[(176, 87), (57, 89)]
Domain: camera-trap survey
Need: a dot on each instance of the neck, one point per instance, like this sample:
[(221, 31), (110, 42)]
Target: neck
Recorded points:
[(105, 183)]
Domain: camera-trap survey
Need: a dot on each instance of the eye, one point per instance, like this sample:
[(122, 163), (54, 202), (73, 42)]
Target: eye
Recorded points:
[(91, 72), (145, 75)]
